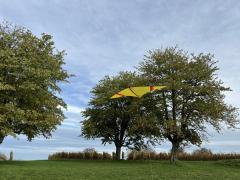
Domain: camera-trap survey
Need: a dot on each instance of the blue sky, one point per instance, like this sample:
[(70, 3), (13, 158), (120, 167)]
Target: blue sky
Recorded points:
[(106, 36)]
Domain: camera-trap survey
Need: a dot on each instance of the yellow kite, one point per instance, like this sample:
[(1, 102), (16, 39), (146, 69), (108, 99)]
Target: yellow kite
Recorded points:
[(136, 91)]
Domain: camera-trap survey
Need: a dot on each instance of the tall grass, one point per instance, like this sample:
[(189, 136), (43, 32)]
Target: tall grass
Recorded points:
[(92, 154), (201, 156), (84, 155)]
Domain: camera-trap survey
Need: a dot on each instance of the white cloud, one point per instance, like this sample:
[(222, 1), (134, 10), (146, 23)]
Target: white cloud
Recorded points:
[(74, 109)]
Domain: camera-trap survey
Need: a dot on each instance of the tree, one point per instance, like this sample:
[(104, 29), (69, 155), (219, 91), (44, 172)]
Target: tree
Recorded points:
[(30, 70), (115, 121), (193, 99), (202, 151)]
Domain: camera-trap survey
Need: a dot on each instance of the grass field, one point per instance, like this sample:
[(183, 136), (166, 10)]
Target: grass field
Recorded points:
[(124, 170)]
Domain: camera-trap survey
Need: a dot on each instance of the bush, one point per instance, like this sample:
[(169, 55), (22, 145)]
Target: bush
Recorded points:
[(3, 157), (142, 155), (86, 154), (106, 156), (202, 151), (200, 155), (92, 154), (113, 155), (89, 150)]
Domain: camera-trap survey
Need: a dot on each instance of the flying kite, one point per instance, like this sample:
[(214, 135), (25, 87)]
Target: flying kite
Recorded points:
[(136, 91)]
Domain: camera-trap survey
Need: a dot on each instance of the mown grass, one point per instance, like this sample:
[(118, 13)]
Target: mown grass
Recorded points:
[(119, 170)]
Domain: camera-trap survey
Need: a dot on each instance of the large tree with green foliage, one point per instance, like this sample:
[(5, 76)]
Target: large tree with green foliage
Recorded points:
[(193, 99), (117, 121), (30, 70)]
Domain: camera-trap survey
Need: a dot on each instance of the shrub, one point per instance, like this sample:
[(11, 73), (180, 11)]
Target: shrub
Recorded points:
[(92, 154), (142, 155), (200, 155), (113, 155), (89, 150), (202, 151), (106, 156), (86, 154), (95, 155), (3, 157), (100, 156)]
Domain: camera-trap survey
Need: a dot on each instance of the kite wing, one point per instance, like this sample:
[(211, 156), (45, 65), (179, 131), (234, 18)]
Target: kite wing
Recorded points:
[(123, 93), (136, 91)]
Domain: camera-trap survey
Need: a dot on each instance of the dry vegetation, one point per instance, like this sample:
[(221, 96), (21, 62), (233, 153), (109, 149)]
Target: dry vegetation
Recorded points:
[(91, 154)]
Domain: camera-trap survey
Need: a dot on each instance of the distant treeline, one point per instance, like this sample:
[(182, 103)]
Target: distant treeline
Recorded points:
[(91, 154)]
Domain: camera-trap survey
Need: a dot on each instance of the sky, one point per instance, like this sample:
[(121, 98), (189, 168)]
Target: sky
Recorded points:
[(103, 37)]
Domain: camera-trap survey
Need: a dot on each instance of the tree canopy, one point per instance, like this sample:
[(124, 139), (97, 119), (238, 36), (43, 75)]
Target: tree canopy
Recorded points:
[(118, 120), (193, 99), (30, 73)]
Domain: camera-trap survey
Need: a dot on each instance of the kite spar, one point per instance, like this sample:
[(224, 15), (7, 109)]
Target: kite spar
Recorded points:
[(136, 91)]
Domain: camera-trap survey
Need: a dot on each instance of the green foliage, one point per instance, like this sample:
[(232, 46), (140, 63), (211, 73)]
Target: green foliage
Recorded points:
[(193, 99), (30, 72)]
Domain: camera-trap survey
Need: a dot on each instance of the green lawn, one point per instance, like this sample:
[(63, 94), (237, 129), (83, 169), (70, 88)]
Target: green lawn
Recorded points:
[(124, 170)]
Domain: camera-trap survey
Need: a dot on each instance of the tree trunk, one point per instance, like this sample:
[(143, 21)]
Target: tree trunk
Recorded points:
[(118, 152), (174, 152)]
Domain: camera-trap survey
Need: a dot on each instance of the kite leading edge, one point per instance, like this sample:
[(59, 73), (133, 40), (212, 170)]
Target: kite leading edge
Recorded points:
[(136, 91)]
